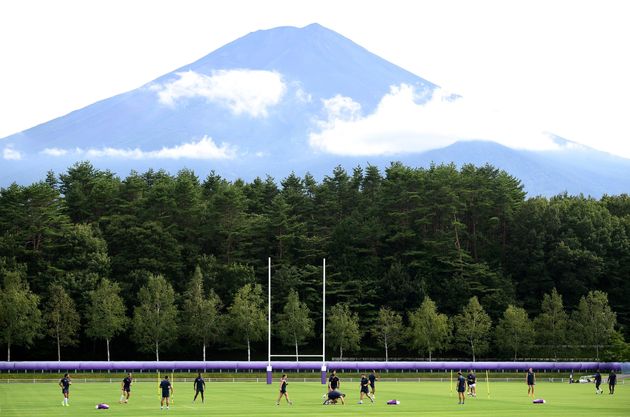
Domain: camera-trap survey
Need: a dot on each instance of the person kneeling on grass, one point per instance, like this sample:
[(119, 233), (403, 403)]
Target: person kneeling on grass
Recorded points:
[(333, 396), (365, 390), (283, 390)]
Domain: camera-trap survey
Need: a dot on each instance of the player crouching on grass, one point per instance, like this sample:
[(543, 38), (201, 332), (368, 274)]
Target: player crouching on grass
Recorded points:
[(125, 387), (65, 383), (167, 391), (283, 390), (365, 390), (333, 396)]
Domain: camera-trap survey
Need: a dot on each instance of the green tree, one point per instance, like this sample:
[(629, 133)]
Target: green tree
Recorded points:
[(106, 313), (594, 320), (202, 312), (515, 331), (248, 317), (20, 317), (294, 323), (62, 317), (472, 327), (388, 329), (551, 324), (155, 318), (342, 329), (429, 330)]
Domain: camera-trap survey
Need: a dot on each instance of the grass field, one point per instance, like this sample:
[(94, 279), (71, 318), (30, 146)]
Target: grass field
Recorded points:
[(257, 399)]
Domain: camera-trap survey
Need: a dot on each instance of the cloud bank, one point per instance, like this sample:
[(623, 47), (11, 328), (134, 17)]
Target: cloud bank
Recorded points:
[(205, 148), (11, 154), (242, 91), (406, 121)]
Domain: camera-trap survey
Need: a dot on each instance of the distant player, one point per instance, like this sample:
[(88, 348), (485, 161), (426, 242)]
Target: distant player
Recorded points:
[(333, 396), (333, 382), (167, 391), (461, 388), (471, 379), (598, 382), (365, 389), (200, 386), (530, 378), (125, 387), (65, 383), (612, 381), (373, 378), (283, 390)]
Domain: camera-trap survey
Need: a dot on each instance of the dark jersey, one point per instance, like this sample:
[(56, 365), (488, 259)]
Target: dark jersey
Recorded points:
[(199, 383), (165, 385), (333, 395), (334, 382), (471, 378), (530, 378), (461, 384), (127, 383), (372, 379), (283, 386), (598, 378), (364, 384), (65, 384), (612, 379)]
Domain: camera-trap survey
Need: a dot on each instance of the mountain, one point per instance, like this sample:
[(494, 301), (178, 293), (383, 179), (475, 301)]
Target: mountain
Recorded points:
[(250, 108)]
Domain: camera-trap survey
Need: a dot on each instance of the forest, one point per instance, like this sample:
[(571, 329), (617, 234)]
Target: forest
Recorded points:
[(437, 262)]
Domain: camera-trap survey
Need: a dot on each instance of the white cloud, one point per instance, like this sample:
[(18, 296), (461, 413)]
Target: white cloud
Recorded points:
[(242, 91), (205, 148), (54, 152), (11, 154), (405, 122)]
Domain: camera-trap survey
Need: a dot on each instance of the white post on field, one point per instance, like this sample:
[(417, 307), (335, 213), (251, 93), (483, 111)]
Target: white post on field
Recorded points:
[(324, 314), (269, 312)]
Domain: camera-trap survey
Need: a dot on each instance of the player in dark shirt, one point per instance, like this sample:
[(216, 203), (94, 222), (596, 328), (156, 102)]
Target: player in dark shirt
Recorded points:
[(598, 382), (333, 382), (471, 379), (612, 381), (200, 386), (333, 396), (365, 389), (461, 388), (125, 386), (65, 383), (283, 390), (167, 390), (372, 377), (530, 378)]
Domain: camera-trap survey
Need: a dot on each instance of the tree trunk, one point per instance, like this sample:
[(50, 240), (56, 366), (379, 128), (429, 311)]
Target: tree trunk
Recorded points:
[(386, 352), (249, 355), (107, 340), (58, 349), (297, 357), (340, 353), (597, 350), (9, 351), (472, 345), (429, 355), (204, 351), (157, 351)]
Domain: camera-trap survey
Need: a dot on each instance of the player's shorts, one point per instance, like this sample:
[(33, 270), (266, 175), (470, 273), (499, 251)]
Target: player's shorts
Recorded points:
[(472, 385), (372, 384), (461, 389), (199, 390), (127, 389), (364, 390), (65, 390), (166, 394)]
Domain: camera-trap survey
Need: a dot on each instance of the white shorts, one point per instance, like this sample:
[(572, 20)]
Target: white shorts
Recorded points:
[(471, 385)]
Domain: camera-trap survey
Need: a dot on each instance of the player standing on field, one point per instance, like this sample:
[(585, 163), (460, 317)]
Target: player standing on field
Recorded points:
[(283, 390), (530, 378), (598, 382), (333, 382), (125, 386), (612, 381), (167, 390), (461, 388), (200, 386), (65, 383), (471, 379), (372, 377)]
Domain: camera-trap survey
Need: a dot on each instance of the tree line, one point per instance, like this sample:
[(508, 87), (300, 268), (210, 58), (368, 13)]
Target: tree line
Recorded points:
[(156, 260)]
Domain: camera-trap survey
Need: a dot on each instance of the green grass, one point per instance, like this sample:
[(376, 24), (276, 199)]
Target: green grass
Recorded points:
[(258, 399)]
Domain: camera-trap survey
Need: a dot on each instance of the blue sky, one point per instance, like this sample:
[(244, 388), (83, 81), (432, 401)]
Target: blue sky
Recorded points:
[(560, 66)]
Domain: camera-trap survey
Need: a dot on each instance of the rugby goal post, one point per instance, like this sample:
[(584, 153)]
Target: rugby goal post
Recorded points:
[(269, 354)]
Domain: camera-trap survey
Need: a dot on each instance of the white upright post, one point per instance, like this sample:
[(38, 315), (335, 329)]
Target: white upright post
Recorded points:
[(323, 370), (269, 369)]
